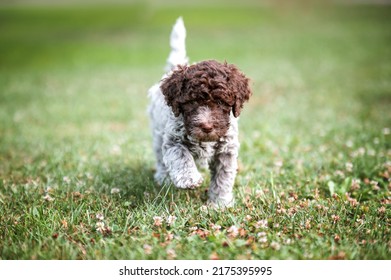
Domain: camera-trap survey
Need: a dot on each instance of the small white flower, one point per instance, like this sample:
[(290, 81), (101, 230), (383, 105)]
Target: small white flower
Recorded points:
[(349, 167), (262, 238), (147, 249), (278, 163), (116, 150), (171, 220), (339, 173), (375, 185), (47, 197), (89, 176), (115, 190), (100, 227), (215, 227), (355, 184), (275, 245), (248, 218), (233, 231), (100, 216), (66, 179), (386, 131), (361, 151), (259, 193), (261, 224), (157, 221), (171, 253)]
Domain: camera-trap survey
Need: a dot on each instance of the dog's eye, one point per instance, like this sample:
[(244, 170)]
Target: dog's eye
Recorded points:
[(221, 103)]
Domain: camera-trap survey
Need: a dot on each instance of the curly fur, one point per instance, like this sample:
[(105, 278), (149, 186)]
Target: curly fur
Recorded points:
[(206, 81), (194, 112)]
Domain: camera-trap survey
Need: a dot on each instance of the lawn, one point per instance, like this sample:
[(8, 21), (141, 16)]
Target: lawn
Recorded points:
[(76, 161)]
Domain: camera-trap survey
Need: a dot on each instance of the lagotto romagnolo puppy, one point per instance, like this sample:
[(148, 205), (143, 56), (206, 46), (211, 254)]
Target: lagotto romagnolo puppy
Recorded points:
[(194, 113)]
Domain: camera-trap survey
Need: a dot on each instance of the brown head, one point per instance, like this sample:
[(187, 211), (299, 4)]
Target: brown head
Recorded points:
[(205, 93)]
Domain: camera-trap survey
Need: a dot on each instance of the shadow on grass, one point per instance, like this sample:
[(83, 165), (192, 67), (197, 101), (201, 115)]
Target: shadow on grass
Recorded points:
[(134, 181), (137, 187)]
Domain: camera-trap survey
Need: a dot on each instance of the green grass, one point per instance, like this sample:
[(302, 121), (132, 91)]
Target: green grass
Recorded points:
[(315, 137)]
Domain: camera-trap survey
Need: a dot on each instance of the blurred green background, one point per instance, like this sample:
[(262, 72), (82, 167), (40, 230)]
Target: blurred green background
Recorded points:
[(123, 45), (65, 66)]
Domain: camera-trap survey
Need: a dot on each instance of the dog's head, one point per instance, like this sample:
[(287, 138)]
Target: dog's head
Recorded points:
[(205, 94)]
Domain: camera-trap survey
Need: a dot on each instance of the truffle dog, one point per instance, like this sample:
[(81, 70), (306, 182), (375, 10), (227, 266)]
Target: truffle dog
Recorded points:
[(194, 113)]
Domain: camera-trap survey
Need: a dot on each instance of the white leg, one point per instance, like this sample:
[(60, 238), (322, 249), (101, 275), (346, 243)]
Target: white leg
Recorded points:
[(181, 166)]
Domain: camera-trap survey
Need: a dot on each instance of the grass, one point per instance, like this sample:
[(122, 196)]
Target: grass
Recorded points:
[(76, 162)]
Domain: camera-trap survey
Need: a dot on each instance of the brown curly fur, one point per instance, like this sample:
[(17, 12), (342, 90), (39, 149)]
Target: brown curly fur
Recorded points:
[(205, 93)]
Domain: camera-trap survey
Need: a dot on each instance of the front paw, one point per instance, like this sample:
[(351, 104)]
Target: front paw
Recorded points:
[(188, 180), (221, 202)]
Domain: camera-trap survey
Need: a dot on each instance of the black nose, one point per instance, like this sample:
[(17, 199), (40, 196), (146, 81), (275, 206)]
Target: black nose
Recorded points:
[(207, 128)]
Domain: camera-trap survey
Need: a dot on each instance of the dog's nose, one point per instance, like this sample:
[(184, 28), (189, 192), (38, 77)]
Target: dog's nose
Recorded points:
[(207, 128)]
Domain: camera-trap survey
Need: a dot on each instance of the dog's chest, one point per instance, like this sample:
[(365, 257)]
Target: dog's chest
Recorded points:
[(202, 151)]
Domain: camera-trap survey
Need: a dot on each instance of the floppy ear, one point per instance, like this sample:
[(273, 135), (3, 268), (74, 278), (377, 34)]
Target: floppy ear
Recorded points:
[(172, 87), (240, 87)]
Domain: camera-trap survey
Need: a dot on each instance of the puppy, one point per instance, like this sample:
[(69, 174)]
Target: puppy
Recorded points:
[(194, 114)]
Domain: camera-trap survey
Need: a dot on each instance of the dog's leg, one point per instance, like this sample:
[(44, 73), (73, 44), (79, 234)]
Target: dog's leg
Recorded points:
[(161, 173), (223, 172), (181, 166)]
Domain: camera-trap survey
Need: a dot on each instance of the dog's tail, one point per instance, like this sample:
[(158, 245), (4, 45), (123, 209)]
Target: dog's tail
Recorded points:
[(178, 45)]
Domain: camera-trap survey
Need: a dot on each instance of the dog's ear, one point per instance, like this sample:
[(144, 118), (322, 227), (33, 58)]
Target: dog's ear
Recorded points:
[(240, 85), (172, 87)]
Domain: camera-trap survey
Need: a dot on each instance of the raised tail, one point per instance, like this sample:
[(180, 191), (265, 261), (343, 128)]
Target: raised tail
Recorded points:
[(178, 46)]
